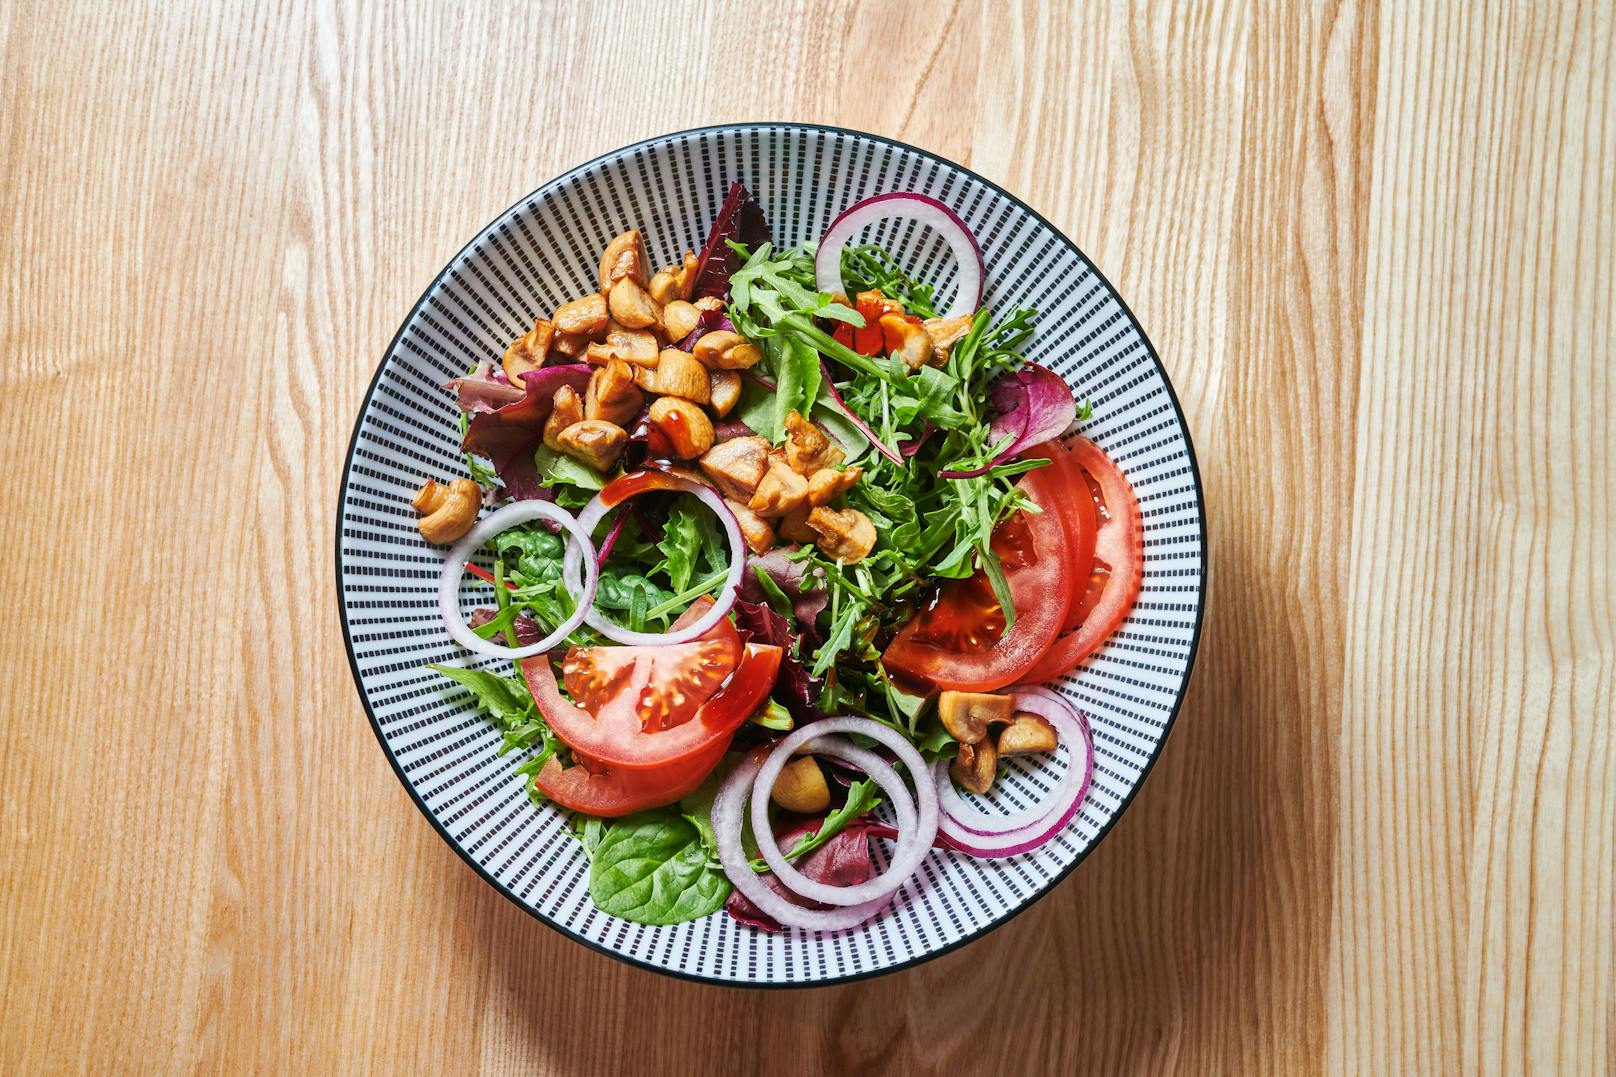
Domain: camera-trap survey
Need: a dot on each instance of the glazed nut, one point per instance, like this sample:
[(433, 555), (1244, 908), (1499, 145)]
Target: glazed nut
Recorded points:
[(737, 466), (780, 491), (679, 318), (447, 511), (826, 484), (801, 787), (723, 391), (725, 350), (967, 715), (846, 534), (1027, 734), (685, 425), (908, 338), (755, 529), (582, 317), (675, 374), (632, 307), (527, 351), (623, 257), (975, 766), (565, 409), (612, 395), (630, 345), (594, 442)]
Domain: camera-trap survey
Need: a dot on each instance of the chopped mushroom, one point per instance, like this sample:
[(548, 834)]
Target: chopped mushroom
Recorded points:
[(594, 442), (623, 257), (967, 715), (630, 345), (688, 430), (975, 766), (675, 281), (945, 333), (794, 527), (581, 317), (807, 448), (679, 319), (1027, 734), (570, 344), (723, 391), (801, 787), (826, 484), (710, 303), (632, 306), (675, 374), (565, 410), (612, 395), (907, 338), (527, 351), (725, 350), (737, 465), (846, 535), (781, 490), (755, 529)]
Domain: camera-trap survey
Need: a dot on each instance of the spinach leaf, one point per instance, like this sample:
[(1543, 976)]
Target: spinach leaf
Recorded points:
[(652, 868)]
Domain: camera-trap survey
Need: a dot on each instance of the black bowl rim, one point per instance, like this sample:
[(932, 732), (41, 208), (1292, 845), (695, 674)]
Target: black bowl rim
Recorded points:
[(1167, 728)]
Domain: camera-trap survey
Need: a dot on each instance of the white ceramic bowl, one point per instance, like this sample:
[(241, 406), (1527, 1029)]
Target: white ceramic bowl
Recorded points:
[(541, 252)]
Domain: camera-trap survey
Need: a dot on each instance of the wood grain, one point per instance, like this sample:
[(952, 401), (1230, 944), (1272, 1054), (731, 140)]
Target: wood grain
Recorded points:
[(1375, 248)]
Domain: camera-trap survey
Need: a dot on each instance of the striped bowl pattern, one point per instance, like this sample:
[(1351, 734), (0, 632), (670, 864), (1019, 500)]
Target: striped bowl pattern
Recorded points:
[(543, 251)]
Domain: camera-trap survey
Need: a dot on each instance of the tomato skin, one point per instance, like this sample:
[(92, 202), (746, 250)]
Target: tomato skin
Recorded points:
[(1075, 506), (616, 736), (955, 644), (1119, 546), (596, 789)]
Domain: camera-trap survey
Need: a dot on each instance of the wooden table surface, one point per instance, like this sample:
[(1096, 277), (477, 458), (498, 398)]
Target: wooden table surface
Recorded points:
[(1376, 250)]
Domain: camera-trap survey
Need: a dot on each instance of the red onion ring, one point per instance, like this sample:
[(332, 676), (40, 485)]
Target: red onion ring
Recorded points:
[(922, 209), (727, 812), (596, 511), (914, 843), (454, 569), (1073, 787)]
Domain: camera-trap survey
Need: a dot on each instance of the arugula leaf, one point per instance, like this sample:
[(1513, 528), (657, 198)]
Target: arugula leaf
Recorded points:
[(862, 797), (504, 699), (652, 868), (681, 543), (559, 469)]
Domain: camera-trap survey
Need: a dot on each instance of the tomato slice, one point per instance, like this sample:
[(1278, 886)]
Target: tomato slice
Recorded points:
[(1076, 507), (597, 789), (958, 641), (664, 686), (1111, 587), (616, 735)]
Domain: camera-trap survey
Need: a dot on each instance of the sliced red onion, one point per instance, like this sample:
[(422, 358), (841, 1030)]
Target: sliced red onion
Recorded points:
[(596, 511), (454, 569), (914, 842), (923, 209), (728, 810), (1051, 817)]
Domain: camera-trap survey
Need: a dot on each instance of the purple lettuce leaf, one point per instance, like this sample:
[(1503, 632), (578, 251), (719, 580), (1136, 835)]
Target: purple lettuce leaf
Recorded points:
[(528, 631), (844, 860), (807, 593), (740, 219), (484, 389), (1033, 404), (509, 434), (793, 687)]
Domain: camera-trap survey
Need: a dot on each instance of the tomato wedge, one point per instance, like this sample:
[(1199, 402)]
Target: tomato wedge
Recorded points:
[(596, 789), (614, 733), (958, 641), (1103, 599), (1075, 506)]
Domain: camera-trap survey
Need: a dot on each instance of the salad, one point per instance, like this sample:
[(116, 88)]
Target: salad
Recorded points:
[(780, 553)]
